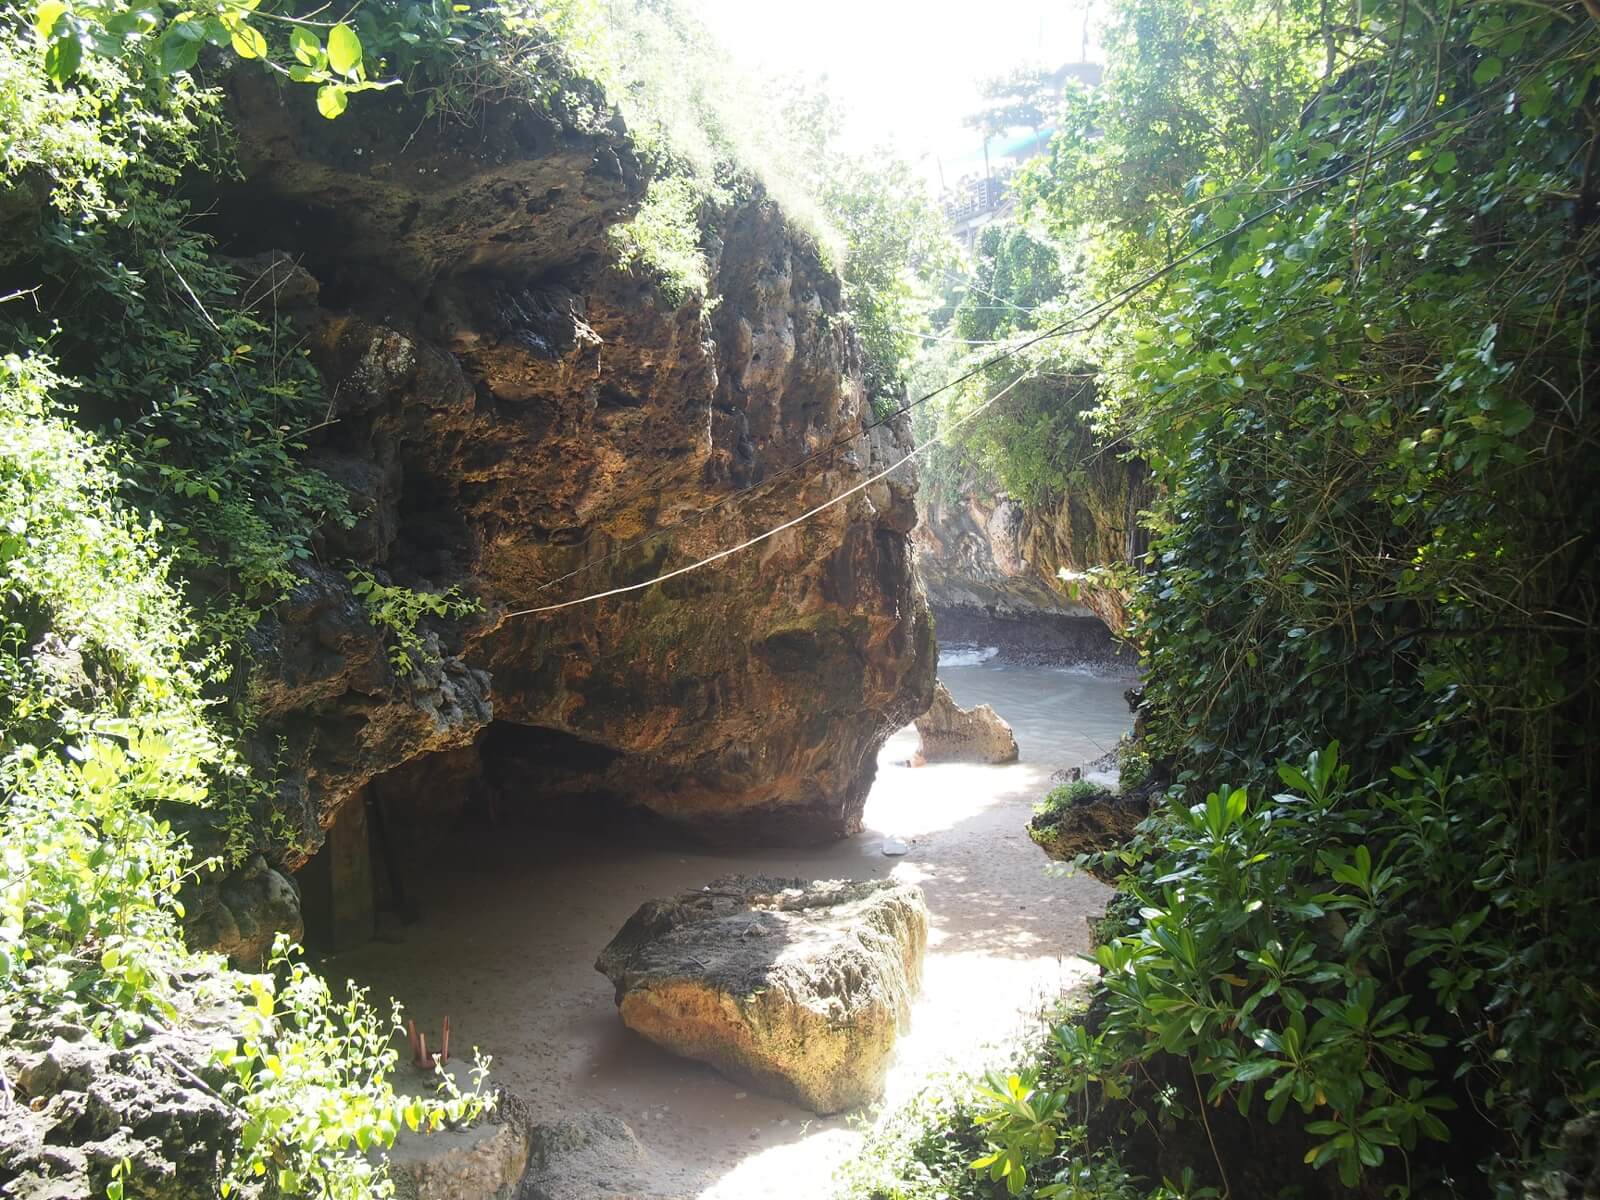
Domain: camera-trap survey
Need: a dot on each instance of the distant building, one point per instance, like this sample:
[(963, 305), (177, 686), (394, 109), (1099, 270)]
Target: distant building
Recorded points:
[(977, 200)]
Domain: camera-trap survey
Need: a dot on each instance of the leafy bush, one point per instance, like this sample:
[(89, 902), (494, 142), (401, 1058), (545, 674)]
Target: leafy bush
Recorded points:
[(152, 504), (1065, 795), (312, 1077), (920, 1150), (399, 611), (1362, 385), (1365, 534), (1280, 960), (1133, 766), (103, 724), (1019, 1130), (664, 237), (105, 729)]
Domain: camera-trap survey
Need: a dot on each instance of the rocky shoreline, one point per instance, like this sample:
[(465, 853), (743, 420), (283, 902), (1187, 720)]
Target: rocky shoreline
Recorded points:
[(1036, 640)]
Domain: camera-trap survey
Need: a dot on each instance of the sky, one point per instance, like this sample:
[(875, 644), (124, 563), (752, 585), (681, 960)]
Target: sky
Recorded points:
[(906, 73)]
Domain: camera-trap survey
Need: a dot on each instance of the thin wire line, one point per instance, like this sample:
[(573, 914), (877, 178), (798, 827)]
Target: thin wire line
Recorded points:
[(790, 524)]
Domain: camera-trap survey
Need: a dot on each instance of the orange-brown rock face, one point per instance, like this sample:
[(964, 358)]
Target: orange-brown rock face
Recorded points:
[(985, 552), (517, 416)]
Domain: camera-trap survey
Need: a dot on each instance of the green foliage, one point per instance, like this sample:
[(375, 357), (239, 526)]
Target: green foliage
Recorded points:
[(1038, 443), (1366, 526), (1366, 414), (168, 43), (1023, 1123), (103, 725), (1276, 958), (202, 400), (399, 611), (664, 237), (1193, 97), (1266, 954), (895, 246), (709, 132), (920, 1150), (152, 505), (1014, 276), (1133, 766), (1017, 1131), (1065, 795), (714, 134), (312, 1078)]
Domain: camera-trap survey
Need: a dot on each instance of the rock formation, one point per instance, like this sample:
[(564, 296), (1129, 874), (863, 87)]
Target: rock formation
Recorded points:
[(595, 1156), (951, 733), (1089, 819), (73, 1106), (796, 988), (485, 1161), (517, 416), (992, 565)]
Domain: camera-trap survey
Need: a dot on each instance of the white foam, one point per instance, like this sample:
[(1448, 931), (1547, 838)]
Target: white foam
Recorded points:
[(966, 656)]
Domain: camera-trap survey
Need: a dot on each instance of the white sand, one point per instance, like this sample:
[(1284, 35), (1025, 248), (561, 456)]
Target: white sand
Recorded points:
[(515, 919)]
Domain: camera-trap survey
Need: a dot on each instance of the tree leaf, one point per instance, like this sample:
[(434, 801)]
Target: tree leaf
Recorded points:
[(344, 51), (62, 56), (331, 100), (248, 42), (305, 45), (46, 16), (180, 46)]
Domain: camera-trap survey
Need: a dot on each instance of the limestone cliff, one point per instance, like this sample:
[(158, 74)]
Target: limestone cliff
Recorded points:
[(517, 415), (982, 553)]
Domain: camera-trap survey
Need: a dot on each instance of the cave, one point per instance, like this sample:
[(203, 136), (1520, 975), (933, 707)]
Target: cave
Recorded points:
[(513, 782)]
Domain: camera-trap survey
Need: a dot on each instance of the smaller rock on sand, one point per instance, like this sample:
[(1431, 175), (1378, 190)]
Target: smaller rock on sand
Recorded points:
[(951, 733)]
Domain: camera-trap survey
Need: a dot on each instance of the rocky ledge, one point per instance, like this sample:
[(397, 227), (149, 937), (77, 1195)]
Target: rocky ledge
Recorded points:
[(1086, 818), (797, 988)]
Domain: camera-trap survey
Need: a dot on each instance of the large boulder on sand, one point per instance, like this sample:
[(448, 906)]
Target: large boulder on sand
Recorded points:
[(797, 988), (951, 733)]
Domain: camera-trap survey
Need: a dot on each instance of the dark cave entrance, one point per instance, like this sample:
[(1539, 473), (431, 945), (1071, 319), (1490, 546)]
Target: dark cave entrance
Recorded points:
[(371, 876)]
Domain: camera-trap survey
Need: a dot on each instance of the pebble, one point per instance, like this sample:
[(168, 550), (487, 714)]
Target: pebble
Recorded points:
[(740, 1095), (894, 847)]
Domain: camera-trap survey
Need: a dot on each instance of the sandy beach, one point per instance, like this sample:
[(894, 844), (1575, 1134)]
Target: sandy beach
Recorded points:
[(515, 918)]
